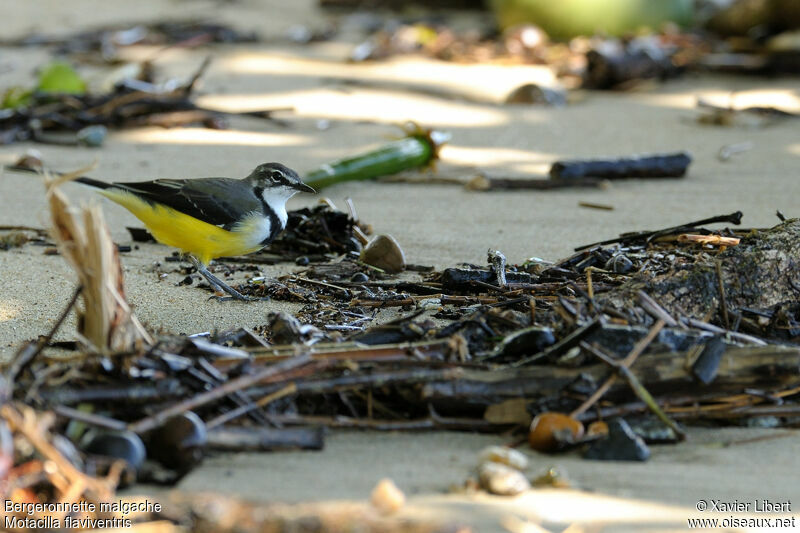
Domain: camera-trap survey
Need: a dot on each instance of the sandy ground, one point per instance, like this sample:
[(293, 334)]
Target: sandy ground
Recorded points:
[(436, 224)]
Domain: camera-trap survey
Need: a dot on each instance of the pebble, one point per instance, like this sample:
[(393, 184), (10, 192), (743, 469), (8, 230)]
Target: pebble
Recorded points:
[(502, 480)]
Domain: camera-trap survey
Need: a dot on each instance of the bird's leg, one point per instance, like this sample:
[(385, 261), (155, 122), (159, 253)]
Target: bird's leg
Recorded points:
[(217, 283)]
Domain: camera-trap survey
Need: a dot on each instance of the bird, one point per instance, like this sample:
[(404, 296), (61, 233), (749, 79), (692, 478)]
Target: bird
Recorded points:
[(207, 218)]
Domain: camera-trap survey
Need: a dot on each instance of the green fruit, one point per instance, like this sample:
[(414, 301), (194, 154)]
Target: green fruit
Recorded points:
[(60, 78), (564, 19)]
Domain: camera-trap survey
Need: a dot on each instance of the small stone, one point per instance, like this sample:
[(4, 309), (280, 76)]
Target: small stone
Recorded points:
[(652, 430), (619, 264), (300, 34), (386, 497), (429, 304), (762, 422), (93, 136), (501, 479), (302, 261), (553, 478), (32, 159), (598, 428), (530, 93), (359, 277), (505, 456), (385, 253), (622, 444)]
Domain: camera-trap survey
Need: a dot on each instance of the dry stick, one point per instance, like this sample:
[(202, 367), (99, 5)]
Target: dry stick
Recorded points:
[(714, 240), (592, 205), (655, 310), (26, 354), (238, 397), (27, 424), (589, 287), (239, 439), (291, 388), (694, 410), (485, 183), (298, 279), (637, 388), (39, 231), (187, 89), (430, 422), (733, 218), (90, 418), (722, 302), (373, 380), (237, 384), (627, 362), (747, 411), (743, 337), (341, 351)]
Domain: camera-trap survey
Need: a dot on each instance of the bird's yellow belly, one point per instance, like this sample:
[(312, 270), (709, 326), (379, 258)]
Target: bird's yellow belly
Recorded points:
[(173, 228)]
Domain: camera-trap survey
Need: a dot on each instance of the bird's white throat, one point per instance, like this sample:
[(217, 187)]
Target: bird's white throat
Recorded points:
[(275, 198)]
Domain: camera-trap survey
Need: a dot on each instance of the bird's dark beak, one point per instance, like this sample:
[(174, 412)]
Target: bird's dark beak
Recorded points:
[(302, 187)]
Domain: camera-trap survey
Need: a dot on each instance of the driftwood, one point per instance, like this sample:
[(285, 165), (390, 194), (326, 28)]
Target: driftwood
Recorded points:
[(740, 367), (760, 273)]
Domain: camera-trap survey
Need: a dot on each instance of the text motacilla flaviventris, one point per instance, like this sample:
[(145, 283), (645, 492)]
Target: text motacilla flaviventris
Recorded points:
[(208, 218)]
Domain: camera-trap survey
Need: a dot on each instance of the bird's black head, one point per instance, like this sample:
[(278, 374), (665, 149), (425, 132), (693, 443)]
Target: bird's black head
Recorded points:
[(277, 176)]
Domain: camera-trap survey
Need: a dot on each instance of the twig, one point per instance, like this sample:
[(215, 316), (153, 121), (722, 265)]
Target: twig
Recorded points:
[(243, 382), (27, 353), (298, 279), (187, 89), (627, 362), (431, 422), (38, 231), (90, 418), (484, 183), (637, 388), (714, 240), (136, 393), (655, 310), (373, 380), (699, 324), (266, 439), (723, 304), (437, 348), (592, 205), (733, 218), (224, 418), (26, 423)]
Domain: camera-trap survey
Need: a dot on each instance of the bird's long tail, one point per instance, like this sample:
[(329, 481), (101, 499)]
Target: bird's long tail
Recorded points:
[(93, 183), (82, 179)]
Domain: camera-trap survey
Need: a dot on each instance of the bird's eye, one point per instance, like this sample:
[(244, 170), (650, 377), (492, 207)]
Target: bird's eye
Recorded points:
[(275, 177)]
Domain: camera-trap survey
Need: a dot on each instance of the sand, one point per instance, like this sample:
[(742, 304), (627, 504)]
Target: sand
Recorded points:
[(436, 224)]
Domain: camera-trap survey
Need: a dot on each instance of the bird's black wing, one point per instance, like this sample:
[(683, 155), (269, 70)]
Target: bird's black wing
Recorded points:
[(217, 201)]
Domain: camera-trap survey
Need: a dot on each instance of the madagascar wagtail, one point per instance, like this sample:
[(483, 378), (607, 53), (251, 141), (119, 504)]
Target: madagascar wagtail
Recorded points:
[(208, 218)]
